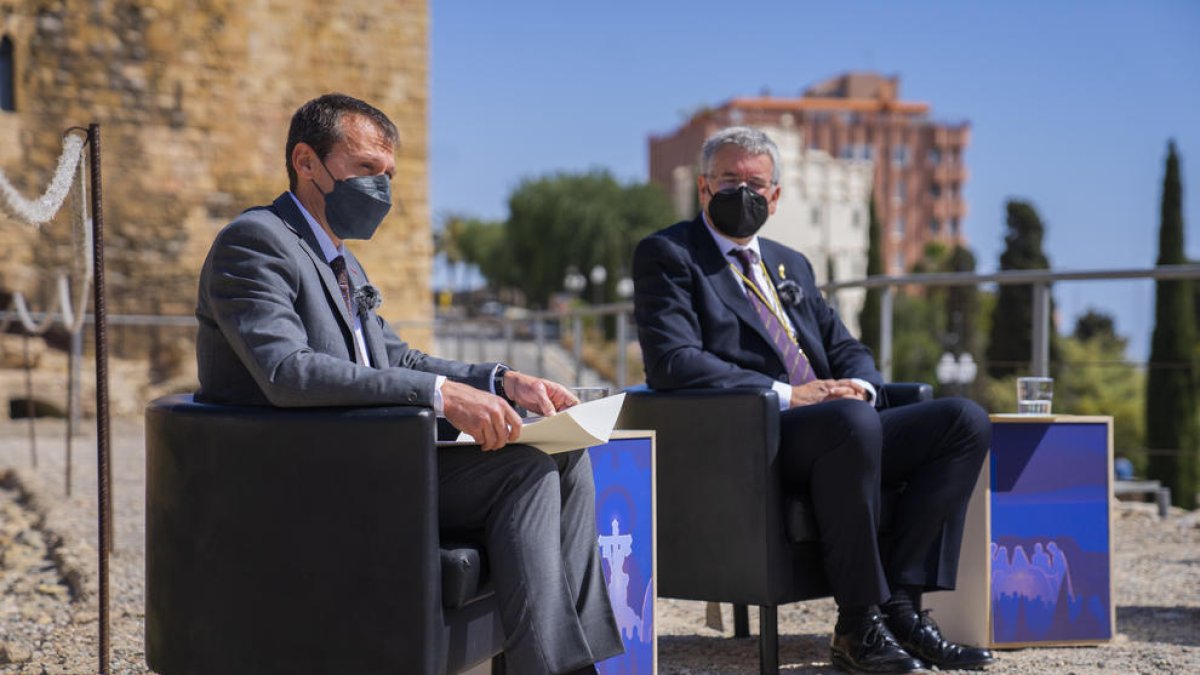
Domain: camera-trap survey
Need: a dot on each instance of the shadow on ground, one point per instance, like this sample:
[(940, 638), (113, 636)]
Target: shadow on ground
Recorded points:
[(702, 655), (1168, 625)]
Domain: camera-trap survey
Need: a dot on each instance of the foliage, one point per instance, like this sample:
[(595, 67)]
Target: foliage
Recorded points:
[(868, 318), (563, 221), (1172, 433), (1094, 379), (1011, 339)]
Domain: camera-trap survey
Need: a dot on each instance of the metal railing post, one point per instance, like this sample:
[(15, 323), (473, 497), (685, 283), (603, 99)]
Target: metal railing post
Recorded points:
[(1040, 358), (577, 346), (622, 340), (460, 339), (887, 301), (539, 336), (508, 341)]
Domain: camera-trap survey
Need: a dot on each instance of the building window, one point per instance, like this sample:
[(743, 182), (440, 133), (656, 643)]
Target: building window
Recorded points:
[(898, 263), (935, 156), (847, 151), (856, 218), (898, 226), (7, 80), (935, 191), (815, 216), (935, 226), (900, 155), (868, 151), (900, 190), (954, 226)]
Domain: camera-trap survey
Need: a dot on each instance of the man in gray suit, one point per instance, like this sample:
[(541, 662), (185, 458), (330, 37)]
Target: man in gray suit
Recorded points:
[(287, 318)]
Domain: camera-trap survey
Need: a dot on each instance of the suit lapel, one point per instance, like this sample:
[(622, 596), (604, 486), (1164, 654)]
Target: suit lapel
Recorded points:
[(728, 286), (286, 209)]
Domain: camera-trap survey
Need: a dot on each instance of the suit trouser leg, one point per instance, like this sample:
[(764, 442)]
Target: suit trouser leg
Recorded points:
[(936, 448), (552, 606), (831, 452)]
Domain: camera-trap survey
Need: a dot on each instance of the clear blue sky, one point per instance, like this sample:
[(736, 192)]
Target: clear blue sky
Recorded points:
[(1071, 104)]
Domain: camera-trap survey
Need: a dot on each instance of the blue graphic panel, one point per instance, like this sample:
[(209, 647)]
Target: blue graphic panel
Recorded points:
[(625, 527), (1050, 532)]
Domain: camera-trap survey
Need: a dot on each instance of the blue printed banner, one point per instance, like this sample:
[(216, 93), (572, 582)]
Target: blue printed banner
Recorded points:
[(623, 471)]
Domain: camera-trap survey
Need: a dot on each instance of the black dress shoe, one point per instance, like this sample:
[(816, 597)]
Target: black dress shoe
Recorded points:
[(871, 648), (919, 636)]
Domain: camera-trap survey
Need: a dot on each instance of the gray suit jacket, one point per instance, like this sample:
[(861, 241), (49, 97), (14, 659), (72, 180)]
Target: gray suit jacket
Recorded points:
[(274, 329)]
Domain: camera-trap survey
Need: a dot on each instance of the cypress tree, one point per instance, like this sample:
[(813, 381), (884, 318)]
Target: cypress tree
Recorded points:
[(1011, 339), (868, 318), (1171, 417)]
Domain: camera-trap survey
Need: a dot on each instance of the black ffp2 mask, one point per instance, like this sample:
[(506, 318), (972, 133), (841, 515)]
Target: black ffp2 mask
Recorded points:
[(737, 212)]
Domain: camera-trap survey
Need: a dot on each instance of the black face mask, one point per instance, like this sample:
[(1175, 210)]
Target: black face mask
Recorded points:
[(355, 207), (738, 212)]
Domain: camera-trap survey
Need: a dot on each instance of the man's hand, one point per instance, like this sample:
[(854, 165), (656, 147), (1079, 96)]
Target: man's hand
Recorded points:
[(537, 395), (819, 391), (487, 417)]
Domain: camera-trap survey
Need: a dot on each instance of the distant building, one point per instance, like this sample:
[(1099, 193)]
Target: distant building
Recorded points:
[(919, 170)]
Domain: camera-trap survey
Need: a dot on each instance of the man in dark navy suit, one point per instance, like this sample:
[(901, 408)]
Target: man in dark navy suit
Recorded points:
[(718, 306)]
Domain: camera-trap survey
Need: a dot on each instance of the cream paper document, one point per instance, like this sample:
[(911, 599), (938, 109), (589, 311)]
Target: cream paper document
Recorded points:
[(582, 426)]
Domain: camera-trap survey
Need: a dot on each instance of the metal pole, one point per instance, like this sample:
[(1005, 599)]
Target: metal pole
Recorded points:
[(461, 338), (577, 346), (1040, 359), (508, 342), (539, 336), (887, 300), (74, 402), (622, 328), (103, 467), (30, 410), (481, 339)]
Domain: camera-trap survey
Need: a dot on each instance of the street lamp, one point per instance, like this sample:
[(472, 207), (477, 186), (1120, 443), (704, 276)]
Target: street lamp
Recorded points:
[(599, 276), (574, 282), (625, 288), (959, 371)]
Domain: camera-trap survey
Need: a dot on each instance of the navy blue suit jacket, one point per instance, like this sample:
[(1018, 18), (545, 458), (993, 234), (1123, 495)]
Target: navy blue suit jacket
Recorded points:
[(698, 329)]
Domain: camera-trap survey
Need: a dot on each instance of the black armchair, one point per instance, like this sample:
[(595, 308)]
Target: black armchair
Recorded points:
[(726, 530), (304, 541)]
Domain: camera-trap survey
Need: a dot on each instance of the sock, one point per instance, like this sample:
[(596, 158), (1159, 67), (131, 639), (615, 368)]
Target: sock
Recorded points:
[(904, 604), (850, 617)]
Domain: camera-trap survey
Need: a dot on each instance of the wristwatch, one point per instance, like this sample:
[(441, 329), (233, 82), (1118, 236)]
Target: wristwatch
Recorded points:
[(498, 382)]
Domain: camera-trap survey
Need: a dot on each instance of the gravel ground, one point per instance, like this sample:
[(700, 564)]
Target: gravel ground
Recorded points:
[(48, 588)]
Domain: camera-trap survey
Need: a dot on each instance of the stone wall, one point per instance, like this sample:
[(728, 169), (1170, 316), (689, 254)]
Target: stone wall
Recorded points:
[(194, 99)]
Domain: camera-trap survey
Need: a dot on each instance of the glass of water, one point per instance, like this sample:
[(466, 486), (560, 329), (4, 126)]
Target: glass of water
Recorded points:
[(1034, 395)]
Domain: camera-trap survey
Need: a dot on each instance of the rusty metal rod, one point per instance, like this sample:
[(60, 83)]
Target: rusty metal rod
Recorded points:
[(103, 466), (30, 410)]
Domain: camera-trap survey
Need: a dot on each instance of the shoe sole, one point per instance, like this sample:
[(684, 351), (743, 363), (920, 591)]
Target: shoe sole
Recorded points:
[(843, 662)]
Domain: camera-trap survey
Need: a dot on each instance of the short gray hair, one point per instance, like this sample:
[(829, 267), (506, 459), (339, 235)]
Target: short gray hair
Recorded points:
[(751, 140)]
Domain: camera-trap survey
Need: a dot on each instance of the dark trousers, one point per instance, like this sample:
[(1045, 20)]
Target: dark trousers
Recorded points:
[(538, 517), (841, 452)]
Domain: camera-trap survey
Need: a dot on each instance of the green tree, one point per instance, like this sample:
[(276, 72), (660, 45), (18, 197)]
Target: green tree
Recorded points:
[(563, 220), (1096, 380), (868, 318), (1011, 339), (1171, 416)]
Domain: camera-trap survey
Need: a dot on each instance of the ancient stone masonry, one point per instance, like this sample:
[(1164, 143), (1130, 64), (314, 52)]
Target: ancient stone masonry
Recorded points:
[(194, 97)]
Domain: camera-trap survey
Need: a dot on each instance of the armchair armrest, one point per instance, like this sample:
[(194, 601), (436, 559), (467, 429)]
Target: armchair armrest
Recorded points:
[(290, 540), (896, 394)]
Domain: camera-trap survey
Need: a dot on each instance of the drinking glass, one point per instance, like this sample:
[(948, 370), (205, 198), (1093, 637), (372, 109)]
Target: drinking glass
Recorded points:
[(1034, 395)]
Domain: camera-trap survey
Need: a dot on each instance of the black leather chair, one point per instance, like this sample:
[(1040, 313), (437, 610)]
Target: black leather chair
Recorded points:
[(304, 541), (726, 530)]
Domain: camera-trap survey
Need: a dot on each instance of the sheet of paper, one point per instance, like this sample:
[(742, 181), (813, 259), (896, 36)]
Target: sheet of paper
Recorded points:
[(582, 426)]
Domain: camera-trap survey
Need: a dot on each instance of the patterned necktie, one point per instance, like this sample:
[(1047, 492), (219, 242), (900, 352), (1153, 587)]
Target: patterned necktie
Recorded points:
[(798, 368), (338, 265)]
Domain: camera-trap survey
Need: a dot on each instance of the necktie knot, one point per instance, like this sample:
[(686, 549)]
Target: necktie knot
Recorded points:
[(746, 257), (338, 265)]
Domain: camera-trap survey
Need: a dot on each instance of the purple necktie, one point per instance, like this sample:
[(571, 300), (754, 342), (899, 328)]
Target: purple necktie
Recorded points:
[(798, 367), (338, 265)]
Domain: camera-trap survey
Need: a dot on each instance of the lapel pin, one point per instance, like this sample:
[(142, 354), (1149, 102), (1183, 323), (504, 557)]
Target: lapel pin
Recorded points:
[(782, 271)]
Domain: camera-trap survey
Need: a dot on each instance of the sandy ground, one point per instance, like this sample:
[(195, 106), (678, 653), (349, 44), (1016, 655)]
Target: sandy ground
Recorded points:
[(48, 606)]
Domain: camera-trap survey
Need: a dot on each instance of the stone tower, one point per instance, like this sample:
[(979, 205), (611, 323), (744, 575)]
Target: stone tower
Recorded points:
[(194, 98)]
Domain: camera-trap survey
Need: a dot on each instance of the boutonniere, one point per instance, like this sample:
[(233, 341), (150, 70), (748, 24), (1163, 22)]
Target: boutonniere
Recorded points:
[(367, 298), (790, 293)]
